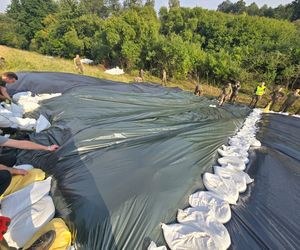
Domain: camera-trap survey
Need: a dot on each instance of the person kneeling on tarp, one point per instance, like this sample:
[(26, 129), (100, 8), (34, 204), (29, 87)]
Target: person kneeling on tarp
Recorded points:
[(6, 172), (6, 78)]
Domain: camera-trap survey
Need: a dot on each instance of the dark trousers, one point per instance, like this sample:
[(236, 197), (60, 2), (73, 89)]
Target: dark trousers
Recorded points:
[(254, 101), (5, 179), (233, 98), (273, 101), (286, 105)]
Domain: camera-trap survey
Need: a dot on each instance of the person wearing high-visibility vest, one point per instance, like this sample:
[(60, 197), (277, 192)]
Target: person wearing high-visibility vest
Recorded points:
[(258, 93)]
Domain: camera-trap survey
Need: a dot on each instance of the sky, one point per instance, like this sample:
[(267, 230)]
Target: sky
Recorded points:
[(207, 4), (213, 4)]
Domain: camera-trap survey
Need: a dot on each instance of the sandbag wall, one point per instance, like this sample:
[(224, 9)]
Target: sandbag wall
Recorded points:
[(201, 225)]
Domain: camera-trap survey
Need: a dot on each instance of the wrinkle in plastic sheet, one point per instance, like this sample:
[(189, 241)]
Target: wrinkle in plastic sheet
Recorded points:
[(267, 215), (130, 155)]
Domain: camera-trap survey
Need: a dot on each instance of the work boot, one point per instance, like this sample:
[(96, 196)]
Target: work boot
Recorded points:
[(44, 242)]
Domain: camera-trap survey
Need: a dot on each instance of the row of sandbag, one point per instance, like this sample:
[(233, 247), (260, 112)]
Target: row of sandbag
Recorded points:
[(201, 225), (30, 207), (12, 115)]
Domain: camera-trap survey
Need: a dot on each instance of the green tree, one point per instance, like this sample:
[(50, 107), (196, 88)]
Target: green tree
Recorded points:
[(253, 9), (97, 7), (296, 10), (150, 3), (225, 6), (28, 15), (113, 6), (128, 4), (239, 7), (8, 36), (174, 4)]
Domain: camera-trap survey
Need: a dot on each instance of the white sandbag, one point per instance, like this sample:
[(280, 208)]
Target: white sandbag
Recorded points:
[(235, 149), (239, 179), (5, 112), (241, 143), (4, 121), (24, 166), (16, 202), (225, 189), (247, 177), (114, 71), (232, 153), (26, 223), (255, 143), (16, 110), (86, 61), (204, 200), (232, 158), (205, 234), (17, 96), (23, 123), (236, 162), (42, 123), (184, 237), (42, 97), (29, 104), (206, 222), (192, 213), (153, 246)]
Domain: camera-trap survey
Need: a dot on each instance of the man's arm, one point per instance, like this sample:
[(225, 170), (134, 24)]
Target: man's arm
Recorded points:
[(3, 94), (13, 171), (23, 144)]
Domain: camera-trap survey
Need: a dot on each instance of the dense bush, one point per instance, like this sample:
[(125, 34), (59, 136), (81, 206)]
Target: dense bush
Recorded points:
[(204, 44)]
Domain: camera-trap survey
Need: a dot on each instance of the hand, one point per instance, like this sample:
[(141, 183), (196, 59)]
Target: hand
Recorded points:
[(16, 171), (7, 101), (53, 147)]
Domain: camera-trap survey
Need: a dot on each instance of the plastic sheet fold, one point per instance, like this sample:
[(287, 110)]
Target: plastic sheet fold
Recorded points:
[(130, 154)]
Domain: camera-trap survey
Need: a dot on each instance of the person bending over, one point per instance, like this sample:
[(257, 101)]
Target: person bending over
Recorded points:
[(6, 78), (226, 93)]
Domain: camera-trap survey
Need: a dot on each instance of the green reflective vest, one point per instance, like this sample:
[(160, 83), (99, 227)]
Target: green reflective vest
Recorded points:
[(260, 90)]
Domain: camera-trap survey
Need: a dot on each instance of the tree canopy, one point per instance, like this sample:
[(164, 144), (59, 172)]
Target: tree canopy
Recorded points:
[(186, 42)]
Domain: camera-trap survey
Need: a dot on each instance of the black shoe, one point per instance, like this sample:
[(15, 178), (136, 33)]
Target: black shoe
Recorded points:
[(44, 242)]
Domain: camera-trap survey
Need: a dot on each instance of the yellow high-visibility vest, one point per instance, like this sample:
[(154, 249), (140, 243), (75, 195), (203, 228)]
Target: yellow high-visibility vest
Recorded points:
[(260, 90)]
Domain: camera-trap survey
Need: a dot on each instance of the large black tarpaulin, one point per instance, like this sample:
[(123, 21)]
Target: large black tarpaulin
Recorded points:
[(267, 216), (130, 154)]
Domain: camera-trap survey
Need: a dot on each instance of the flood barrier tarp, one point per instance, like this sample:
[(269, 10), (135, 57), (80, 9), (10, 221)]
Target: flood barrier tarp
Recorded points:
[(267, 216), (129, 156)]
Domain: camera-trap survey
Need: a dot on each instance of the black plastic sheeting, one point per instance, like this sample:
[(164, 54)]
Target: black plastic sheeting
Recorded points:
[(129, 157), (267, 216), (131, 154)]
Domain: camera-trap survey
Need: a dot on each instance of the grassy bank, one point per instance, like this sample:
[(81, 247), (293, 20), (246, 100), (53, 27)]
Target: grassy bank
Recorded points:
[(20, 60)]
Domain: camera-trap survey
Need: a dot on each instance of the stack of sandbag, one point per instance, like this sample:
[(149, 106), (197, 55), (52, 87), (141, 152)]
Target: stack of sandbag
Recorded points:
[(11, 115), (201, 225), (30, 207), (114, 71), (29, 102)]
